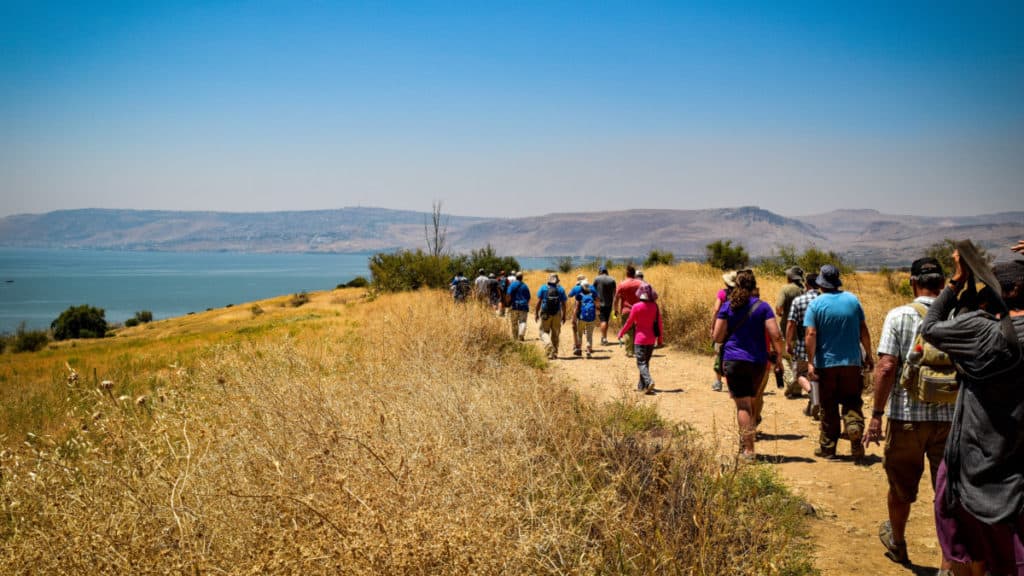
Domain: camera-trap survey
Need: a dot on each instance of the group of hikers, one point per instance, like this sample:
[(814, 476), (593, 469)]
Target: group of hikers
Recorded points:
[(949, 374)]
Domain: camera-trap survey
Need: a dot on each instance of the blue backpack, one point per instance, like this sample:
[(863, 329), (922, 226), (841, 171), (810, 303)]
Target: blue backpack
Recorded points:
[(588, 311)]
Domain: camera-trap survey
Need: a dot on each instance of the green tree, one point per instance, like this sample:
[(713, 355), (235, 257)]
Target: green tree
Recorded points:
[(659, 258), (487, 258), (26, 340), (725, 255), (80, 322)]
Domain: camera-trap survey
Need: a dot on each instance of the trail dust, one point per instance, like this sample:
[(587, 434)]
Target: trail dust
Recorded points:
[(849, 500)]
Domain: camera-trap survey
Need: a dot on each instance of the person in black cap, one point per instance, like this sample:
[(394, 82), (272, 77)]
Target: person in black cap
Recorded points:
[(916, 429), (979, 499), (836, 336)]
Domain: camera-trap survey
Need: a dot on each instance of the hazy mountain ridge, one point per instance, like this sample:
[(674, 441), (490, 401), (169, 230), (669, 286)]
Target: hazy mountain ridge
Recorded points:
[(865, 236)]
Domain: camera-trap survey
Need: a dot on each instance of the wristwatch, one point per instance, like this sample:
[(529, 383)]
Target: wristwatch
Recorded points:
[(877, 413)]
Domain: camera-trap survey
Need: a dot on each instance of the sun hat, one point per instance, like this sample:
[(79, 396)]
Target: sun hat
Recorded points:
[(729, 278), (553, 279), (585, 286), (828, 277), (795, 274), (639, 273), (519, 275)]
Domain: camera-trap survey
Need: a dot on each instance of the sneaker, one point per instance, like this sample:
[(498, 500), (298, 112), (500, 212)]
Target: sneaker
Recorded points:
[(807, 409), (893, 551), (577, 352), (816, 412), (589, 352), (604, 341), (716, 386), (649, 390)]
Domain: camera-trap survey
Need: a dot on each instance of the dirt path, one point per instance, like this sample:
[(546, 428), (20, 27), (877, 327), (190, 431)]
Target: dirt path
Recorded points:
[(849, 499)]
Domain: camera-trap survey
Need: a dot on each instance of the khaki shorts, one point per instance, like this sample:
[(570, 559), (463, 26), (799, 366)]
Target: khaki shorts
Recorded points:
[(800, 368), (906, 446)]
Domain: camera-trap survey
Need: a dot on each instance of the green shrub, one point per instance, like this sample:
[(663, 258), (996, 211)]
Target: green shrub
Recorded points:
[(810, 260), (564, 264), (357, 282), (725, 255), (256, 310), (80, 322), (144, 316), (131, 322), (415, 269), (485, 258), (26, 340), (659, 258)]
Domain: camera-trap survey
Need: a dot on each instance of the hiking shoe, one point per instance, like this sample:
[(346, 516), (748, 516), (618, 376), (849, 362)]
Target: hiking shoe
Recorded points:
[(577, 352), (816, 412), (825, 454), (649, 390), (716, 386), (604, 341), (893, 551), (807, 409)]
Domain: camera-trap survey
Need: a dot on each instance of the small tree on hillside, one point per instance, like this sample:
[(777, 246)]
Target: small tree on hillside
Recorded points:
[(659, 258), (724, 255), (80, 322)]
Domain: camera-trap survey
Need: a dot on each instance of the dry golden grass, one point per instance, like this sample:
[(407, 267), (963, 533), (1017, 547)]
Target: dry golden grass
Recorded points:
[(400, 436)]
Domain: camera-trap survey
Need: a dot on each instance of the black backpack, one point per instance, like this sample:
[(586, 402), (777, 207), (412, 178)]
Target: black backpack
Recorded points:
[(552, 301)]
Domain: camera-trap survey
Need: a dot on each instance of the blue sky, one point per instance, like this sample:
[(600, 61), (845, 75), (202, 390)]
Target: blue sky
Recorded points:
[(512, 109)]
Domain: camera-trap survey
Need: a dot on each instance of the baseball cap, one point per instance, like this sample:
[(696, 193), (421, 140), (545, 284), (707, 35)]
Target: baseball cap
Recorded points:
[(795, 274), (925, 267)]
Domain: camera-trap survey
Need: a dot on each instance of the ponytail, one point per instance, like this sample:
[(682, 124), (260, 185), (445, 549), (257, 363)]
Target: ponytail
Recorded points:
[(746, 285)]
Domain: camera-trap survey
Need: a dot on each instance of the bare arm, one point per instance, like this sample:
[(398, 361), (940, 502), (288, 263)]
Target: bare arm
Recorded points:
[(790, 336), (1019, 247), (885, 379), (865, 341), (811, 340), (772, 326), (719, 330)]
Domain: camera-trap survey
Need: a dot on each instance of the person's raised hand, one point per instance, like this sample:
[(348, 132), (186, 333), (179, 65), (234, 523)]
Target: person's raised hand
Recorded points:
[(959, 274), (1019, 247)]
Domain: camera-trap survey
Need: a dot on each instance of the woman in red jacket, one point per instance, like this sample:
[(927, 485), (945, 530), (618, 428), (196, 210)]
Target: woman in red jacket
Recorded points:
[(646, 318)]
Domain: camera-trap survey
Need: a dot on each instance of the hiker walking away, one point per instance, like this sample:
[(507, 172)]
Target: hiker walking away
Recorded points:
[(493, 291), (796, 345), (742, 327), (573, 295), (640, 277), (625, 298), (518, 296), (460, 287), (979, 496), (605, 286), (645, 320), (550, 313), (503, 284), (787, 294), (587, 302), (836, 335), (480, 285), (723, 295), (916, 429)]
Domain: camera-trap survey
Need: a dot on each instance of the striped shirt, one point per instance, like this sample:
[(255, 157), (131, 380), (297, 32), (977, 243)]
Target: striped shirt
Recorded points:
[(898, 333), (797, 310)]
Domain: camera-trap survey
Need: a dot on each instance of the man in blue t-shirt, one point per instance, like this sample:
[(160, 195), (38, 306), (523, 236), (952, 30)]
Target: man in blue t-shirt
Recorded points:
[(837, 340), (519, 306), (550, 313)]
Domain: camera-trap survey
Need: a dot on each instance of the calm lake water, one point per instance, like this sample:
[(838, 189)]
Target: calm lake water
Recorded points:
[(37, 285)]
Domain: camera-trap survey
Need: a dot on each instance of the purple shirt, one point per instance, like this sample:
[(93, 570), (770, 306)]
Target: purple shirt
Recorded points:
[(748, 343)]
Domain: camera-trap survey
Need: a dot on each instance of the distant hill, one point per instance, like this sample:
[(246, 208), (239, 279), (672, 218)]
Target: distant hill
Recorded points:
[(864, 236)]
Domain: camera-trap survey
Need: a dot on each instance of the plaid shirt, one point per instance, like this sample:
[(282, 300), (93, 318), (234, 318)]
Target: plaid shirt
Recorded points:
[(898, 332), (797, 310)]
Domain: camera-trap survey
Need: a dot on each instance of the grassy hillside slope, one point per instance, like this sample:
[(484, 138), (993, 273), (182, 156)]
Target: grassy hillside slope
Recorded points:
[(396, 435)]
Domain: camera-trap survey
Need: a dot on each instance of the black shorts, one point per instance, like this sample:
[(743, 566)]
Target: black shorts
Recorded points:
[(604, 313), (743, 378)]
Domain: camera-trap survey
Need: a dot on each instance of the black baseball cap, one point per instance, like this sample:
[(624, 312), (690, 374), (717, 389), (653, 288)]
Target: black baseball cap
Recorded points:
[(925, 267)]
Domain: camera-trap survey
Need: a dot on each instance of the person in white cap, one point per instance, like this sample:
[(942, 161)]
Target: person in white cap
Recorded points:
[(550, 313)]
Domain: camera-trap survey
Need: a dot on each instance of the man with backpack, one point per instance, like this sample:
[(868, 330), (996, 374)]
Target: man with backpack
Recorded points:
[(916, 429), (550, 313), (585, 313), (518, 297), (576, 335), (460, 287)]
